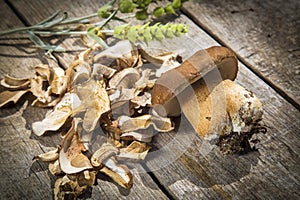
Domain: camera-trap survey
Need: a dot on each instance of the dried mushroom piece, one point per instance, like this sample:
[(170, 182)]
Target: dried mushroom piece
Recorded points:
[(36, 87), (144, 80), (146, 136), (43, 71), (106, 151), (72, 186), (54, 168), (56, 119), (58, 80), (157, 58), (11, 96), (136, 150), (119, 173), (161, 124), (142, 100), (79, 71), (15, 83), (103, 71), (124, 53), (94, 102), (125, 78), (54, 77), (49, 156), (165, 61), (71, 158)]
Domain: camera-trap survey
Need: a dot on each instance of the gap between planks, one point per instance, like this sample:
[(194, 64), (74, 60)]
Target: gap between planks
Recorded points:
[(17, 13)]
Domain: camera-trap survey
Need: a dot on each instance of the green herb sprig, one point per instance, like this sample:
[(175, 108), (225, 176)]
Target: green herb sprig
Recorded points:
[(146, 33), (58, 24)]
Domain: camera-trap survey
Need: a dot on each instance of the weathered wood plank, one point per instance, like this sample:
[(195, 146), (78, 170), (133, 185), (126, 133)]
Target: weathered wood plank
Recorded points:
[(216, 176), (269, 173), (265, 35), (20, 177)]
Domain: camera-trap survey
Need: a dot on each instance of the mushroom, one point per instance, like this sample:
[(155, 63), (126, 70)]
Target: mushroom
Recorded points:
[(174, 81), (202, 88)]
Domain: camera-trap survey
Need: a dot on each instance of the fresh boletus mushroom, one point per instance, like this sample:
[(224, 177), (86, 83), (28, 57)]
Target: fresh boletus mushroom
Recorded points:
[(202, 88), (176, 80)]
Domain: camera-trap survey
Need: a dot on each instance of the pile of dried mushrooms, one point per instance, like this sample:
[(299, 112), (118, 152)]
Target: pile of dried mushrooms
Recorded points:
[(110, 89)]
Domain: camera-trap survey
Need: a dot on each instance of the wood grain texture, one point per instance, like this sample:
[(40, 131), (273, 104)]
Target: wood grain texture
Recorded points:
[(196, 171), (265, 35), (204, 173), (21, 178)]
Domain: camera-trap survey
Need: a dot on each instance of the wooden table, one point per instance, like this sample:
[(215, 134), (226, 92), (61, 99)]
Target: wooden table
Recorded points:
[(266, 37)]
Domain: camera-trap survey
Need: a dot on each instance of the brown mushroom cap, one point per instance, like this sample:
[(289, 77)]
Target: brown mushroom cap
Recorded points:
[(174, 81)]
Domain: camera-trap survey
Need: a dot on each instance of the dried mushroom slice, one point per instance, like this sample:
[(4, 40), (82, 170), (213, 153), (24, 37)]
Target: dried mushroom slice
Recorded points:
[(95, 102), (11, 96), (103, 71), (36, 87), (142, 100), (146, 136), (106, 151), (71, 158), (161, 124), (15, 83), (56, 119), (43, 71), (125, 78), (71, 186), (143, 82), (136, 150), (86, 178), (157, 58), (119, 173), (125, 54), (54, 168), (49, 156), (58, 81)]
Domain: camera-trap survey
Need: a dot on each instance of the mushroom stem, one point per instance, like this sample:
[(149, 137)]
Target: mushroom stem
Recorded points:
[(227, 108)]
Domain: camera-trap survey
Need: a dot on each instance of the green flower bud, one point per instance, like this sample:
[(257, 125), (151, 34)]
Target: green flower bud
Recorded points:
[(158, 12), (168, 30), (147, 34), (126, 6), (169, 9), (141, 15), (159, 35), (132, 34), (120, 30), (176, 4)]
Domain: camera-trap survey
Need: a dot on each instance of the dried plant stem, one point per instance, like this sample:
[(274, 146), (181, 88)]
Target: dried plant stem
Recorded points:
[(110, 32), (79, 19), (45, 24)]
